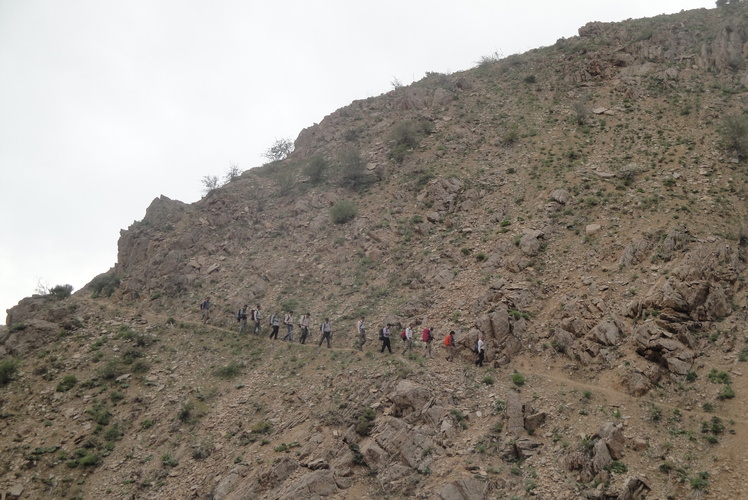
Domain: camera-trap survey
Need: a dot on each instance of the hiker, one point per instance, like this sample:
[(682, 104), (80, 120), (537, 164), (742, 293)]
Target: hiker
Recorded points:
[(205, 310), (275, 324), (257, 317), (304, 324), (449, 343), (480, 349), (242, 317), (408, 338), (361, 329), (427, 336), (385, 338), (326, 332), (288, 321)]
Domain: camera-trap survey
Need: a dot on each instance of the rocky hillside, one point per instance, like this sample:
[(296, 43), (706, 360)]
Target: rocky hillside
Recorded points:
[(580, 206)]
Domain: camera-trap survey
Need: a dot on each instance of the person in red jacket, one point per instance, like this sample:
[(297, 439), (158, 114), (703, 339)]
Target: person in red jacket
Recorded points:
[(427, 337), (449, 343)]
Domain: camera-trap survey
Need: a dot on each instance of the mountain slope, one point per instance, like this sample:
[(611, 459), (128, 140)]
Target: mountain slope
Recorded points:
[(575, 205)]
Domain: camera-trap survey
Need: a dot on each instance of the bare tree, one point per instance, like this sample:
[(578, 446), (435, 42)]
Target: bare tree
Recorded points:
[(210, 182), (280, 150), (232, 173)]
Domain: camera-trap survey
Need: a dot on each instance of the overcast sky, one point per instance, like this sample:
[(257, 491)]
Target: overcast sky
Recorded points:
[(105, 105)]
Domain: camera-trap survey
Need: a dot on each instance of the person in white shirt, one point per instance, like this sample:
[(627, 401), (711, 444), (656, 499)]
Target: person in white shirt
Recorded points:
[(305, 324), (275, 324), (326, 332), (481, 351), (386, 338), (288, 321), (257, 317), (361, 329), (408, 339)]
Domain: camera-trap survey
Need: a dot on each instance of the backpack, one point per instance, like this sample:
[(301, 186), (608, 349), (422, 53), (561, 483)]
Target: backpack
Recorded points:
[(403, 336), (381, 334), (448, 340), (475, 347), (239, 315)]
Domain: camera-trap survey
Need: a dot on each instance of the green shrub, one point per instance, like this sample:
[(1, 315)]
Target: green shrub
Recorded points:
[(67, 383), (365, 422), (655, 412), (113, 433), (189, 413), (285, 179), (352, 168), (617, 467), (168, 461), (104, 285), (131, 355), (358, 457), (726, 392), (405, 137), (734, 132), (99, 413), (61, 292), (343, 211), (229, 371), (111, 370), (518, 379), (316, 168), (116, 397), (718, 377), (8, 369), (89, 460), (700, 481), (510, 136), (262, 427), (460, 418)]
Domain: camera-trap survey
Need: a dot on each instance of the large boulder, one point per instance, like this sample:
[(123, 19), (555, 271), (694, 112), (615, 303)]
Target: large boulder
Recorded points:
[(607, 332), (408, 397), (658, 346), (313, 486), (463, 489)]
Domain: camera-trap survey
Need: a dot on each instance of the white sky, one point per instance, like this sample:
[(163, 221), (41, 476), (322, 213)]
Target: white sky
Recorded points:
[(105, 105)]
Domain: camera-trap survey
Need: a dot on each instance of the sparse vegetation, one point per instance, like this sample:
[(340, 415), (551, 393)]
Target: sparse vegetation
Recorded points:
[(210, 183), (67, 383), (604, 315), (61, 292), (316, 168), (352, 167), (365, 422), (279, 150), (8, 369), (104, 285), (518, 379), (734, 133), (229, 371), (343, 211)]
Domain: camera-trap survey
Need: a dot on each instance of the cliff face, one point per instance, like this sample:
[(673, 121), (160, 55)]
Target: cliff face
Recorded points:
[(575, 206)]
